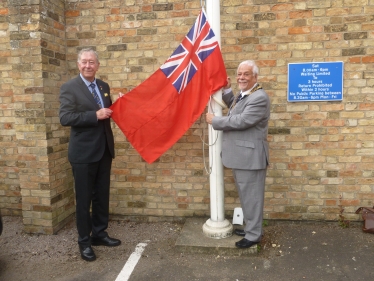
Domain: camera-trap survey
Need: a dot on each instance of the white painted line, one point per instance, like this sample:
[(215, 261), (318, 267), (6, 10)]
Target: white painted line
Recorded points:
[(126, 271)]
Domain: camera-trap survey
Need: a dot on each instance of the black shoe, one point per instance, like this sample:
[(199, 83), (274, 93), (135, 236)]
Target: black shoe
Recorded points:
[(245, 243), (239, 232), (106, 241), (87, 253)]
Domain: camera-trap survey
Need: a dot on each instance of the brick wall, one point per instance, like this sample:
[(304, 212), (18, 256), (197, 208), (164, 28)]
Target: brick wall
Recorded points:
[(58, 206), (322, 153), (133, 40), (36, 177), (10, 194)]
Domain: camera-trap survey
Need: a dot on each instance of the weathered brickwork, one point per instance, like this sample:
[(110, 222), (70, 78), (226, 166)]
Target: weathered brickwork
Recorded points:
[(10, 192), (322, 153), (36, 183)]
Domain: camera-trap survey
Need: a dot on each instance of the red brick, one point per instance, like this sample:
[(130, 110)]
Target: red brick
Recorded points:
[(72, 13), (265, 63), (299, 30), (355, 60), (282, 7), (300, 14), (115, 11), (366, 106), (59, 26), (269, 47), (368, 59), (4, 11), (147, 8), (180, 14), (344, 202), (111, 33), (330, 202), (113, 18)]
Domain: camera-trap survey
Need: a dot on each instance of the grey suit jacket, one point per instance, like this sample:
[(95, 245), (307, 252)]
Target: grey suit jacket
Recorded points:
[(244, 139), (88, 135)]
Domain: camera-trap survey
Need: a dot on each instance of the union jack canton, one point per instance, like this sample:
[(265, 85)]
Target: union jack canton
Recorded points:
[(186, 60)]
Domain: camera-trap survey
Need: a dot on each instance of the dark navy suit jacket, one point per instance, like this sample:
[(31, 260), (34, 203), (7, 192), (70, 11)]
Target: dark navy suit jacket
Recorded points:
[(88, 135)]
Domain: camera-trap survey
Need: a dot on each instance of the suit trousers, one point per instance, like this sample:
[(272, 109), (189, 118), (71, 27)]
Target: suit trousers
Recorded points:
[(92, 181), (251, 189)]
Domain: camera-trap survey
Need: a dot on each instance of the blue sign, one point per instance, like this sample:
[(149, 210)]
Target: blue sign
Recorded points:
[(316, 81)]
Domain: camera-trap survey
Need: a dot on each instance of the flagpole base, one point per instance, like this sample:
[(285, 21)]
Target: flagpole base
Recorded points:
[(217, 229)]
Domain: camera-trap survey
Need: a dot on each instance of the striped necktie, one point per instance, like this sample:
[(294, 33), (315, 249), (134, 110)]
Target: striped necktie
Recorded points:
[(95, 95)]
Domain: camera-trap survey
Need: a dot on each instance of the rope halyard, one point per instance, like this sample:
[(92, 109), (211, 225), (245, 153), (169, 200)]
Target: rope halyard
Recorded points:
[(202, 137)]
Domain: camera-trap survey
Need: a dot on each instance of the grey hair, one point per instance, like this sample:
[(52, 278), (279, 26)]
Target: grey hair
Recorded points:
[(88, 50), (251, 64)]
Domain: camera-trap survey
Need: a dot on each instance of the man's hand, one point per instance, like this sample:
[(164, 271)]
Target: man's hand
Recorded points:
[(228, 86), (103, 113), (209, 117)]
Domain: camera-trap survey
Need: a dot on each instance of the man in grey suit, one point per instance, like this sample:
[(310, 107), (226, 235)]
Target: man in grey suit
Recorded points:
[(84, 106), (245, 148)]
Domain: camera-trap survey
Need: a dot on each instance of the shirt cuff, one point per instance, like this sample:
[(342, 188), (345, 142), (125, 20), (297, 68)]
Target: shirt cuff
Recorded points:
[(226, 91)]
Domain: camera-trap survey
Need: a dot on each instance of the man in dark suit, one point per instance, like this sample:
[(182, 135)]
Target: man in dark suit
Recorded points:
[(84, 106), (245, 147)]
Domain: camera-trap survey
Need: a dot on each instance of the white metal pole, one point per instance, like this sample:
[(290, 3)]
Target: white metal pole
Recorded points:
[(217, 226), (215, 137)]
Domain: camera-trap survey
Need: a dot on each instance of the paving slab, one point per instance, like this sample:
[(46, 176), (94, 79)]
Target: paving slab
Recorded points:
[(193, 240)]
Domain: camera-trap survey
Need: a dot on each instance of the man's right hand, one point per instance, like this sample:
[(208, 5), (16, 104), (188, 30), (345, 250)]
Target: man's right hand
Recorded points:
[(228, 86), (103, 113), (209, 117)]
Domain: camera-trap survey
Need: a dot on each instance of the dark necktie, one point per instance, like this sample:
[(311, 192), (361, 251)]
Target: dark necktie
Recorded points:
[(239, 98), (95, 95)]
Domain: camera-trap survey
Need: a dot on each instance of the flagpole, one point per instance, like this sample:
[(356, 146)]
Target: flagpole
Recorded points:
[(217, 226)]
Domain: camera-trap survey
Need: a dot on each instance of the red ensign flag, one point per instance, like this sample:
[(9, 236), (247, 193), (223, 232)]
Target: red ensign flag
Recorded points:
[(157, 113)]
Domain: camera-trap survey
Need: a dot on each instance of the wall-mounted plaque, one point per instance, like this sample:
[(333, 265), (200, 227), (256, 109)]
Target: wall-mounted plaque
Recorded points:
[(315, 81)]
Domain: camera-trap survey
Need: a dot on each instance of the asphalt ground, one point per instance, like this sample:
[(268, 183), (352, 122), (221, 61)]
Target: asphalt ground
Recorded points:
[(288, 251)]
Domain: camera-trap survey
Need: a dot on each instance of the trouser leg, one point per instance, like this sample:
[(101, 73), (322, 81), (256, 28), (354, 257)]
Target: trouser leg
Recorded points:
[(251, 189), (100, 197), (84, 176)]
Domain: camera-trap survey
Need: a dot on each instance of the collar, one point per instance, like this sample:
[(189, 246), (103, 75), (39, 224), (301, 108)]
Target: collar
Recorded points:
[(248, 92), (86, 81)]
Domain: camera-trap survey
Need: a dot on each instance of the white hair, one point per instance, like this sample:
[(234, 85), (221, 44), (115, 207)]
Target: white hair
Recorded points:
[(251, 64), (87, 50)]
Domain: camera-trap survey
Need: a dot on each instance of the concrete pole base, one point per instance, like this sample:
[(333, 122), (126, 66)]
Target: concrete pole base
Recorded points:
[(217, 229)]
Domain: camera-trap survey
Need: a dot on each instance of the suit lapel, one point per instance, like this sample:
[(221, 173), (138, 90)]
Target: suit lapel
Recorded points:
[(104, 95)]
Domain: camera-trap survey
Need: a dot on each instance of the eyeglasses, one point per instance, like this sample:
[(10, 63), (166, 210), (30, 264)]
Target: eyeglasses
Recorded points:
[(90, 62)]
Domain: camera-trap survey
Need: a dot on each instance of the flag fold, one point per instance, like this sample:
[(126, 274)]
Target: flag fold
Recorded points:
[(157, 113)]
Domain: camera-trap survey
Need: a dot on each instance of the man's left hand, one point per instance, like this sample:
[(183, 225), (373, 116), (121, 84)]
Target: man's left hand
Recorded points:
[(209, 117)]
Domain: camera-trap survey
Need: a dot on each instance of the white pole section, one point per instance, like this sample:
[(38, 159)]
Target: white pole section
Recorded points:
[(217, 226)]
